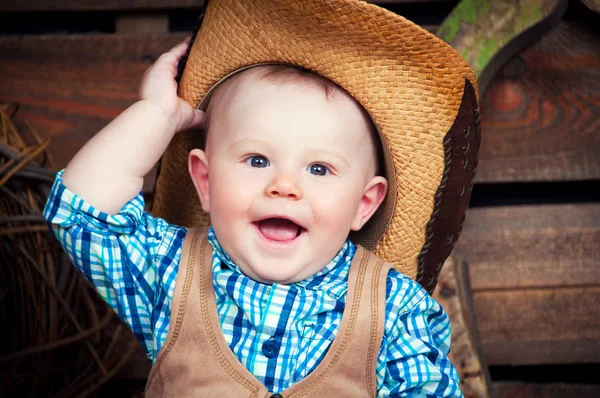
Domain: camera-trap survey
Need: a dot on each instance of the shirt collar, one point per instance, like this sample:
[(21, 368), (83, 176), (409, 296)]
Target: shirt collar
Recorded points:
[(332, 278)]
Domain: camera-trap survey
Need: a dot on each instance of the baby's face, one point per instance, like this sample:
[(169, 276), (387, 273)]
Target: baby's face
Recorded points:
[(289, 174)]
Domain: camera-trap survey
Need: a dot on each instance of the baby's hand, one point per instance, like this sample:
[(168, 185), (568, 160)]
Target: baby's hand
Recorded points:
[(160, 88)]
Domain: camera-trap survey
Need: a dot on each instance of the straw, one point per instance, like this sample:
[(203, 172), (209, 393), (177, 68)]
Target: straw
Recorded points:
[(59, 337)]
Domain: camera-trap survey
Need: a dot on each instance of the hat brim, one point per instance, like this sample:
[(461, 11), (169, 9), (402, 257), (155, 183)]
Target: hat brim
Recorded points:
[(420, 94)]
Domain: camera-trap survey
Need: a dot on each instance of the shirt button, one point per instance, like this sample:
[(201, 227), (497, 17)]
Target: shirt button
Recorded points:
[(271, 347), (276, 396)]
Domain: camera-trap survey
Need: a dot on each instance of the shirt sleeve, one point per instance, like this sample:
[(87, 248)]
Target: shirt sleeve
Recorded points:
[(131, 258), (413, 361)]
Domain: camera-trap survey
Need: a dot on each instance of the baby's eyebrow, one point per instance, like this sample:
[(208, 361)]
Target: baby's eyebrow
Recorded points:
[(248, 141), (338, 156), (245, 144)]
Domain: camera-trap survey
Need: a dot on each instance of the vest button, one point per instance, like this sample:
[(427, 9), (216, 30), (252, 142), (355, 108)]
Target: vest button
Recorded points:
[(276, 396), (271, 347)]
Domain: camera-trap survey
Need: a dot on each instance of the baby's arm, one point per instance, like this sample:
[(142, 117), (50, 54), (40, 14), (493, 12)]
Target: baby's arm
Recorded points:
[(109, 170), (413, 361), (130, 257)]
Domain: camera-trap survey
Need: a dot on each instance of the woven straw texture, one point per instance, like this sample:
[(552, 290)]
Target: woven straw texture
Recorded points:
[(410, 82)]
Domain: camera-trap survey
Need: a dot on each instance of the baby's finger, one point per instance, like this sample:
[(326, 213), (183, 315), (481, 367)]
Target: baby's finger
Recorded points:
[(169, 60), (180, 49)]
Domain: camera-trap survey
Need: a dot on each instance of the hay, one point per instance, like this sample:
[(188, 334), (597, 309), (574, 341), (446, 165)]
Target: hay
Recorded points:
[(58, 338)]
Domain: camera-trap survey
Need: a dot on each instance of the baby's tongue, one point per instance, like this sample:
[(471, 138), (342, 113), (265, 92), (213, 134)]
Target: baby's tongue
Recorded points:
[(278, 229)]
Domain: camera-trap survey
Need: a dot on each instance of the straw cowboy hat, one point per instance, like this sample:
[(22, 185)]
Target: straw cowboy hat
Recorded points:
[(420, 94)]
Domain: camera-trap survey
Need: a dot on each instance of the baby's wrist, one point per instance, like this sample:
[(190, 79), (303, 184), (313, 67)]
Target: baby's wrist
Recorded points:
[(157, 109)]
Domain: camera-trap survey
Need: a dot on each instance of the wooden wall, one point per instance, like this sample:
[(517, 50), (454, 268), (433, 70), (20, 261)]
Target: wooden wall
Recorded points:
[(532, 234)]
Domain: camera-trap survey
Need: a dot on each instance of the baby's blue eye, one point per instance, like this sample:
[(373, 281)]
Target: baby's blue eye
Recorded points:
[(257, 161), (318, 169)]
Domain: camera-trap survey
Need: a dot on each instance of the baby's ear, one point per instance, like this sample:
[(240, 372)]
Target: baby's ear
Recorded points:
[(373, 195), (198, 169)]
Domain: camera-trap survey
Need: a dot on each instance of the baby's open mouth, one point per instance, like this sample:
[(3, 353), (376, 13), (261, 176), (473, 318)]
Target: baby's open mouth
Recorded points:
[(279, 229)]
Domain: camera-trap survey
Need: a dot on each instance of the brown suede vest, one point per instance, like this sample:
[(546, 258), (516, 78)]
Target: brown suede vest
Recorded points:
[(195, 360)]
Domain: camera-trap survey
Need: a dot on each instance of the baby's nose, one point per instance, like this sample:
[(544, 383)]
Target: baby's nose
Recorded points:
[(284, 186)]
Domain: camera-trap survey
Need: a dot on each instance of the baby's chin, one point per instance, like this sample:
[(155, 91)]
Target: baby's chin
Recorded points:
[(279, 262), (270, 277), (275, 273)]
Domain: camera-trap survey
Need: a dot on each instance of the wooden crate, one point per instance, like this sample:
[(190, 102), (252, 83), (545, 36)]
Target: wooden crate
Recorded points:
[(532, 246)]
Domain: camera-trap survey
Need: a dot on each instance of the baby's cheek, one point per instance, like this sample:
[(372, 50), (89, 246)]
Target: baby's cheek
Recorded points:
[(229, 204), (335, 211)]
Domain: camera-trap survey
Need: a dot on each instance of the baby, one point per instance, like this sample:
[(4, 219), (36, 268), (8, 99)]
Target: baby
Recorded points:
[(289, 168)]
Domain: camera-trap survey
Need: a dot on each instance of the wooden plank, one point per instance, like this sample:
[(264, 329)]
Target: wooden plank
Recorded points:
[(87, 5), (550, 390), (532, 246), (96, 5), (142, 23), (129, 50), (536, 282), (539, 326), (70, 87), (541, 115)]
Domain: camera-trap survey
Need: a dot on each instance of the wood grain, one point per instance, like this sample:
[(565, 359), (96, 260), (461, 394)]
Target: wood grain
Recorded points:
[(541, 116), (532, 246), (550, 390), (539, 326), (70, 87), (97, 5), (454, 295), (142, 23), (128, 49), (536, 282)]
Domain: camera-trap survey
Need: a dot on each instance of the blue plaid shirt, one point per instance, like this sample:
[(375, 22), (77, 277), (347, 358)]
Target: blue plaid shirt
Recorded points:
[(132, 260)]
